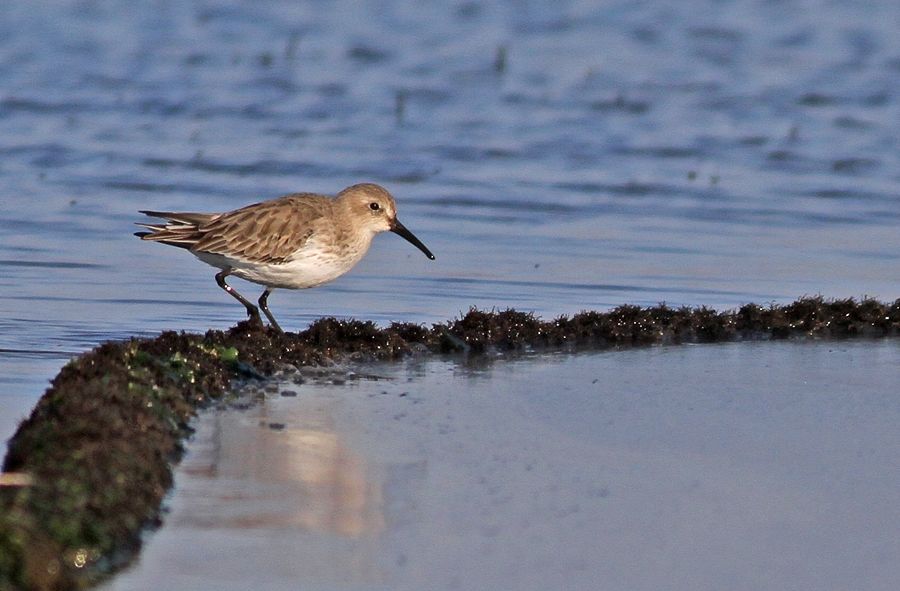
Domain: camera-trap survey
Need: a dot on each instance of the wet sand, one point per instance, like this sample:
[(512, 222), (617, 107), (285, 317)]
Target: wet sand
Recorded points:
[(738, 466)]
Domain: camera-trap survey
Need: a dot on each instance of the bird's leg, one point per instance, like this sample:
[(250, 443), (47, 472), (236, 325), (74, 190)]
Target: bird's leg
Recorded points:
[(264, 306), (252, 311)]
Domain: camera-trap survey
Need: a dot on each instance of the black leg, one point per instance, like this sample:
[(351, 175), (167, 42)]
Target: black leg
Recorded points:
[(252, 311), (264, 306)]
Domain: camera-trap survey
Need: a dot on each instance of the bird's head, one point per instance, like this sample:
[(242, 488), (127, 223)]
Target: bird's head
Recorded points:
[(374, 209)]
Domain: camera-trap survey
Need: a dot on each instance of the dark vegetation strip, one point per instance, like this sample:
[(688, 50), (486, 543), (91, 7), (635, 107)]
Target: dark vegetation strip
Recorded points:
[(89, 468)]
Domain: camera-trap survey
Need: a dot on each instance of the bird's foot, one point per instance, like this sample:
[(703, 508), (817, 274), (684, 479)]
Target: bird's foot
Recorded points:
[(253, 322)]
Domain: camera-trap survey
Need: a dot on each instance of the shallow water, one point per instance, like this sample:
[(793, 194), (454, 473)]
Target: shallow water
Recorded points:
[(621, 153), (736, 466)]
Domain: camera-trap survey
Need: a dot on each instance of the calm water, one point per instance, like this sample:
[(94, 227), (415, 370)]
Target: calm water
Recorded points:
[(555, 156), (742, 466)]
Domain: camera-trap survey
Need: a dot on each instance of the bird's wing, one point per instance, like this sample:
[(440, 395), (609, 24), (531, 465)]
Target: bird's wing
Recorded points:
[(267, 232)]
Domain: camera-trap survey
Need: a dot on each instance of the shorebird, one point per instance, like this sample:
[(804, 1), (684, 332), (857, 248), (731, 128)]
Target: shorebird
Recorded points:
[(297, 241)]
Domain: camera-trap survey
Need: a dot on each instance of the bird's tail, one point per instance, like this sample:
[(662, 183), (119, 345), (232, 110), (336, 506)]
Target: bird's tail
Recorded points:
[(181, 229)]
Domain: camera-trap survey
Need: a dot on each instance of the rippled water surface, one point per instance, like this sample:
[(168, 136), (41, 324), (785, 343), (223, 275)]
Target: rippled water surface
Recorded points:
[(554, 156)]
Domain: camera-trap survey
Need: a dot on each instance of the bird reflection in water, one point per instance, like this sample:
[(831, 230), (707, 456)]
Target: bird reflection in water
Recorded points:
[(270, 475)]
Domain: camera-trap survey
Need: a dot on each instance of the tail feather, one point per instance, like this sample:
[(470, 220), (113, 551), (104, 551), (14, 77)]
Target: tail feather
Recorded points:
[(181, 229), (154, 227), (183, 217)]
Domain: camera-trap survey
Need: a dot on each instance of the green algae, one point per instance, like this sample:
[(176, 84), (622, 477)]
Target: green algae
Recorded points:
[(100, 445)]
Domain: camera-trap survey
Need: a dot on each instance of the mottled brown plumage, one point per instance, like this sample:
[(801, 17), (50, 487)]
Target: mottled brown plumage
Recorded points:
[(297, 241)]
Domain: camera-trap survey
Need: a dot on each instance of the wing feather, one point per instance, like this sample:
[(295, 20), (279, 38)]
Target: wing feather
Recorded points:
[(267, 232)]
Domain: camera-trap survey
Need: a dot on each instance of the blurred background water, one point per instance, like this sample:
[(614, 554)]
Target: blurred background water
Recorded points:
[(555, 156)]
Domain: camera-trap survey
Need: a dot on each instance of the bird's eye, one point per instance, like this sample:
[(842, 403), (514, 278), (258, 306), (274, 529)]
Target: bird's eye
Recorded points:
[(374, 206)]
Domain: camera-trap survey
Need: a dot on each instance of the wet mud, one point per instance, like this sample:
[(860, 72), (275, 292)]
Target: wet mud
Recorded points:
[(86, 473)]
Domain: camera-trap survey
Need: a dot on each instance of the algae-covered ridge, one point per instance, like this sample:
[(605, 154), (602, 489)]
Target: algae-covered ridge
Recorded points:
[(88, 469)]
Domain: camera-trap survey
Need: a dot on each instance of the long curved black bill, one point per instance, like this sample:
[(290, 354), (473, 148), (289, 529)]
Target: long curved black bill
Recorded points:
[(400, 230)]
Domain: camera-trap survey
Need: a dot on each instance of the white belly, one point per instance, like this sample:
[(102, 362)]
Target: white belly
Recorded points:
[(300, 273)]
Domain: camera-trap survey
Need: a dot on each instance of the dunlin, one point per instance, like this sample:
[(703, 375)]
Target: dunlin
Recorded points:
[(295, 242)]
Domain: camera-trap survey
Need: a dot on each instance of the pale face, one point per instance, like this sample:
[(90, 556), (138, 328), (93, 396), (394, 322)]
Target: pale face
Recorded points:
[(371, 206)]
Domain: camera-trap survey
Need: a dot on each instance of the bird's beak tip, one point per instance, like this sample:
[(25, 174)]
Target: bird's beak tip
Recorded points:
[(400, 229)]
